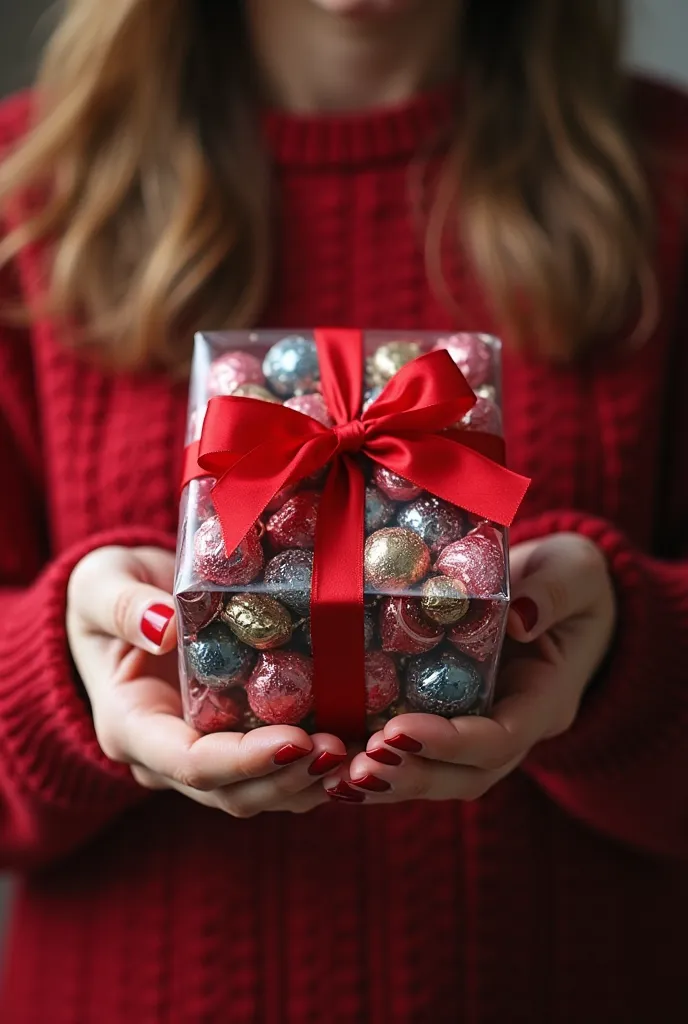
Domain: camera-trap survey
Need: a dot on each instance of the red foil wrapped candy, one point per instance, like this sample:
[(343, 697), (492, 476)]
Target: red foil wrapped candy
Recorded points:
[(394, 486), (286, 492), (472, 355), (476, 561), (280, 690), (198, 609), (232, 369), (211, 562), (404, 630), (382, 681), (217, 712), (195, 427), (313, 406), (204, 505), (293, 525), (484, 416), (480, 632)]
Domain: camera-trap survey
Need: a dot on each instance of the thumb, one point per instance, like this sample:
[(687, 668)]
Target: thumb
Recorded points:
[(552, 580), (126, 593)]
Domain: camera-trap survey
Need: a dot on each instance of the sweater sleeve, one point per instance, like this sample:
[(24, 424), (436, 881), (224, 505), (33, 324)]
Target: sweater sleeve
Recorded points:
[(56, 786), (622, 767)]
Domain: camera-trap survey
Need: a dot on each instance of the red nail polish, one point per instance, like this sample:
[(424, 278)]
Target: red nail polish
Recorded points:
[(155, 621), (289, 754), (402, 742), (326, 762), (527, 611), (384, 756), (372, 783), (343, 791)]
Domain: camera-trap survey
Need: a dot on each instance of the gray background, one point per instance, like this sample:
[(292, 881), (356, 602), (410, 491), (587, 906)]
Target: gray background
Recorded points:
[(659, 42), (659, 37)]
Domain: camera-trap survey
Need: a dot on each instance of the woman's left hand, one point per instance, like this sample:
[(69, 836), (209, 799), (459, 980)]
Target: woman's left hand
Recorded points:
[(560, 626)]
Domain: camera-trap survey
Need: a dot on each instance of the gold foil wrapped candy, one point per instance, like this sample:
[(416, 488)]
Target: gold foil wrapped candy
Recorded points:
[(395, 558), (258, 621), (444, 600), (255, 391), (389, 359)]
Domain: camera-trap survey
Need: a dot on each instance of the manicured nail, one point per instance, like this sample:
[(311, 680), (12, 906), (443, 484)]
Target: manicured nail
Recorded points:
[(372, 783), (326, 762), (343, 791), (384, 756), (402, 742), (155, 621), (289, 754), (527, 611)]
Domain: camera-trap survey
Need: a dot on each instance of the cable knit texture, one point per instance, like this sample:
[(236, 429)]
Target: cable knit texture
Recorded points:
[(562, 896)]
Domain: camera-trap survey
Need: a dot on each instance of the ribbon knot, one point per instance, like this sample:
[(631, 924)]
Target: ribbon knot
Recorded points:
[(350, 436)]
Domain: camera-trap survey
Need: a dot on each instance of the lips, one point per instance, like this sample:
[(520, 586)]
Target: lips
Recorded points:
[(363, 8)]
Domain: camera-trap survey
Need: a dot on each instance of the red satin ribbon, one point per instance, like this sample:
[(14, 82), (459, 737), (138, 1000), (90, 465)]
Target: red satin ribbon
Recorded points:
[(255, 448)]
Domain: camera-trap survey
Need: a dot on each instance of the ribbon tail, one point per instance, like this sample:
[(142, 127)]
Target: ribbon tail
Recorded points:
[(337, 603), (340, 351), (454, 472), (190, 468), (237, 510), (243, 492)]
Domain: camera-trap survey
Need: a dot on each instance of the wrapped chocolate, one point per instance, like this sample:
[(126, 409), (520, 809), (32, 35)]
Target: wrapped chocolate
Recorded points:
[(342, 547)]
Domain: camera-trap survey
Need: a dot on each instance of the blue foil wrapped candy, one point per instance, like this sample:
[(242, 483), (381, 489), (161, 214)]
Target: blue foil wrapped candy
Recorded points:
[(291, 366), (444, 683)]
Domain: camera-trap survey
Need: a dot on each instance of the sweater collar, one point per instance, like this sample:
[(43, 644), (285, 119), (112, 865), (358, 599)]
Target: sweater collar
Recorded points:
[(379, 135)]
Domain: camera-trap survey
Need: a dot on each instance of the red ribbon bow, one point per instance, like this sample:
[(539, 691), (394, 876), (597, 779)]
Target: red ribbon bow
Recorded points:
[(255, 448)]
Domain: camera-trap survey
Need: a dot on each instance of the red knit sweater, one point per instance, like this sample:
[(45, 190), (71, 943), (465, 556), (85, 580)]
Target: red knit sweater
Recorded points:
[(561, 896)]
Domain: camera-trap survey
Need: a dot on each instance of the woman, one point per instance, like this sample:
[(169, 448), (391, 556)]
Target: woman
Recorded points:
[(287, 162)]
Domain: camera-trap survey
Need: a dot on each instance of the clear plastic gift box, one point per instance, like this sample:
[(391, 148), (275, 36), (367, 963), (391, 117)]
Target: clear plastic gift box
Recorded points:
[(435, 576)]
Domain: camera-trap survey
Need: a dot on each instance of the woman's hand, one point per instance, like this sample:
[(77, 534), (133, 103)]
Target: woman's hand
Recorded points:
[(120, 624), (560, 626)]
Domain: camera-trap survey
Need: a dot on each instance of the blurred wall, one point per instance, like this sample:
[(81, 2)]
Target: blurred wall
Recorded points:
[(659, 37), (19, 40), (659, 42)]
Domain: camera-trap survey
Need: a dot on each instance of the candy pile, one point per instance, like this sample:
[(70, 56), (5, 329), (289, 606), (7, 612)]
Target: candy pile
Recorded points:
[(435, 577)]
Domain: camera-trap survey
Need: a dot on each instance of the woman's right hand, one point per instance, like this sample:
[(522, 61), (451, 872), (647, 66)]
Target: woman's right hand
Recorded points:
[(120, 624)]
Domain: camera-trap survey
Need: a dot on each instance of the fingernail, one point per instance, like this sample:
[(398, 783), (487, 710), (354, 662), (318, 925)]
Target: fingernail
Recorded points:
[(384, 756), (343, 791), (403, 742), (155, 621), (372, 783), (326, 762), (289, 754), (527, 611)]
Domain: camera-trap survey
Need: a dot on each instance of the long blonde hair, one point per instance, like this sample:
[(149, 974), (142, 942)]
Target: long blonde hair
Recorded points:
[(158, 204)]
